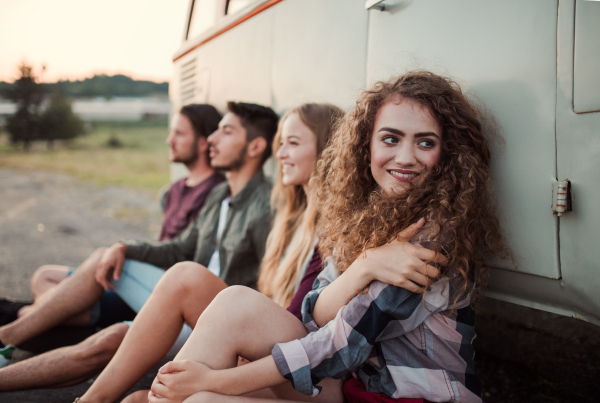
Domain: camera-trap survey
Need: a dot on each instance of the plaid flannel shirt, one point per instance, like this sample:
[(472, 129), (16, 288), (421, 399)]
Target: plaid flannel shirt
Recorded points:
[(398, 343)]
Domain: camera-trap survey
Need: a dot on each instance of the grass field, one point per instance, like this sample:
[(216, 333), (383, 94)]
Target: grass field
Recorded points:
[(139, 159)]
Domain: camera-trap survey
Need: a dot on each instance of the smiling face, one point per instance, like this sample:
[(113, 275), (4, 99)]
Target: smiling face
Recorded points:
[(183, 145), (228, 144), (406, 142), (297, 152)]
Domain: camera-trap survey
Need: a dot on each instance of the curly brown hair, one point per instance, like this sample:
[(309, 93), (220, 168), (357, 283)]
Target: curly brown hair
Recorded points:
[(455, 196)]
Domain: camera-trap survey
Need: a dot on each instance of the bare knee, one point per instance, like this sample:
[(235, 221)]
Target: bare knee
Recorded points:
[(39, 279), (236, 302), (101, 347), (141, 396), (40, 275), (238, 295), (46, 277), (112, 337), (183, 277)]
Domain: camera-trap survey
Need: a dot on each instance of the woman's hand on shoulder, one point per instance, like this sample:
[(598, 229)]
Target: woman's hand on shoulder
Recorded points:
[(401, 263), (177, 380)]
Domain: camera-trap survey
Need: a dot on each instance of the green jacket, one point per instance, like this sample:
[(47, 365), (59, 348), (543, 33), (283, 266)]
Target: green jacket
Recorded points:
[(242, 243)]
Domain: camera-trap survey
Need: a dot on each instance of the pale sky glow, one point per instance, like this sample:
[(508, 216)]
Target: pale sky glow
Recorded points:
[(77, 38)]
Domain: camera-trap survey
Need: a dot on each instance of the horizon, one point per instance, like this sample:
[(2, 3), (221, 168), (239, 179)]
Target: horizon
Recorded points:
[(90, 77), (129, 38)]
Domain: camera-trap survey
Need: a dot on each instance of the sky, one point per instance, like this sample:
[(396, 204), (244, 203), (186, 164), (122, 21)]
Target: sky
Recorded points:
[(76, 39)]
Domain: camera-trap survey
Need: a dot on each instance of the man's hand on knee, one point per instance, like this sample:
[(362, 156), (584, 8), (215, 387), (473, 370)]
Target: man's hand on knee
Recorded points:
[(110, 265)]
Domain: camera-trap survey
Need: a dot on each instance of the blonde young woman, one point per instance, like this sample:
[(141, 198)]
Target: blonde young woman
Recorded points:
[(289, 267), (412, 148)]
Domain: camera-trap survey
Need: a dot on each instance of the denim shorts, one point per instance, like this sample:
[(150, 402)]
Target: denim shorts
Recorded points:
[(133, 289)]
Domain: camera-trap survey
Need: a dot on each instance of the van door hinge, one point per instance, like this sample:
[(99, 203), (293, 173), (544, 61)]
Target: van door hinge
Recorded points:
[(561, 197)]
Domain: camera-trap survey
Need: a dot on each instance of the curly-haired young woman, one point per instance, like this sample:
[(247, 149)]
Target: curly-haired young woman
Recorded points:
[(412, 148)]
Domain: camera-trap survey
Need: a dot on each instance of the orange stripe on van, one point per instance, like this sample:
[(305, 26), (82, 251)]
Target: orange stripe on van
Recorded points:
[(251, 14)]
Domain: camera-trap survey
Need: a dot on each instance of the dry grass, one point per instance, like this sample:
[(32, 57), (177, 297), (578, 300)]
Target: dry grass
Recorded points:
[(141, 162)]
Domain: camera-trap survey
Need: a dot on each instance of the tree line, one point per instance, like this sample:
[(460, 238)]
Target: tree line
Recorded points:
[(100, 85)]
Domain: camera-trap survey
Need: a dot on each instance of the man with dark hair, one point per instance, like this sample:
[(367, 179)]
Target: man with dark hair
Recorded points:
[(255, 120), (226, 242), (184, 199)]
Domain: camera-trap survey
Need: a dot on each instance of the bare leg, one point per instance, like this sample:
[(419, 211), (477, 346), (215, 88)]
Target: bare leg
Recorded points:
[(64, 366), (243, 322), (70, 297), (180, 296), (44, 280)]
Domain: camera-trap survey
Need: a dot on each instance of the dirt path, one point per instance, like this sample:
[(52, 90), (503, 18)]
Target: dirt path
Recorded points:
[(48, 218)]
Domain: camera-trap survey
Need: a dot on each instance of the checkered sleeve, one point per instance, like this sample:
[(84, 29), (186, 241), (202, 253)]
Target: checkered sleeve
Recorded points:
[(326, 277), (346, 342)]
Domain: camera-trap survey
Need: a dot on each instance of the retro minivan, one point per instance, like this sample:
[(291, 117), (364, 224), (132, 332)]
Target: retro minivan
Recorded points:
[(534, 64)]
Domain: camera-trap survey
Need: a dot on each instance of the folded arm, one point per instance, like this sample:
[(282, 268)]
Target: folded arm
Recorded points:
[(399, 263), (345, 343)]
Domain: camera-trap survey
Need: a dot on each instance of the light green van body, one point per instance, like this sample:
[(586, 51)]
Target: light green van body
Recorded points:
[(534, 65)]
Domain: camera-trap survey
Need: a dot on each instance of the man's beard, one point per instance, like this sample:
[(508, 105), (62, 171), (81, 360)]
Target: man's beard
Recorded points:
[(237, 162), (190, 160)]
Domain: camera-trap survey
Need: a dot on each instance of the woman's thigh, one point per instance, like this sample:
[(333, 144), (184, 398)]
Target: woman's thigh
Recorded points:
[(244, 322)]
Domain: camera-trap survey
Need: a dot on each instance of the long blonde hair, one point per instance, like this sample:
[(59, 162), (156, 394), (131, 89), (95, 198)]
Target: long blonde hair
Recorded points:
[(294, 211)]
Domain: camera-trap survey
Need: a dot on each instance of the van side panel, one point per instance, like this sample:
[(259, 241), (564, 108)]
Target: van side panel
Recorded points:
[(319, 52), (239, 62)]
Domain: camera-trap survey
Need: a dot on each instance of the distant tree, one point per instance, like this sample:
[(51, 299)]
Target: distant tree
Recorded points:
[(23, 126), (58, 122)]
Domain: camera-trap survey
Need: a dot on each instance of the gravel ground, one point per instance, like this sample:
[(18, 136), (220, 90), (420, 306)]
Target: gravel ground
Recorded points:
[(53, 219), (523, 355)]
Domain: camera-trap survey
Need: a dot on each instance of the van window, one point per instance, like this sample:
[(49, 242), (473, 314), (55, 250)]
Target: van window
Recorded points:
[(234, 6), (205, 13), (586, 71)]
